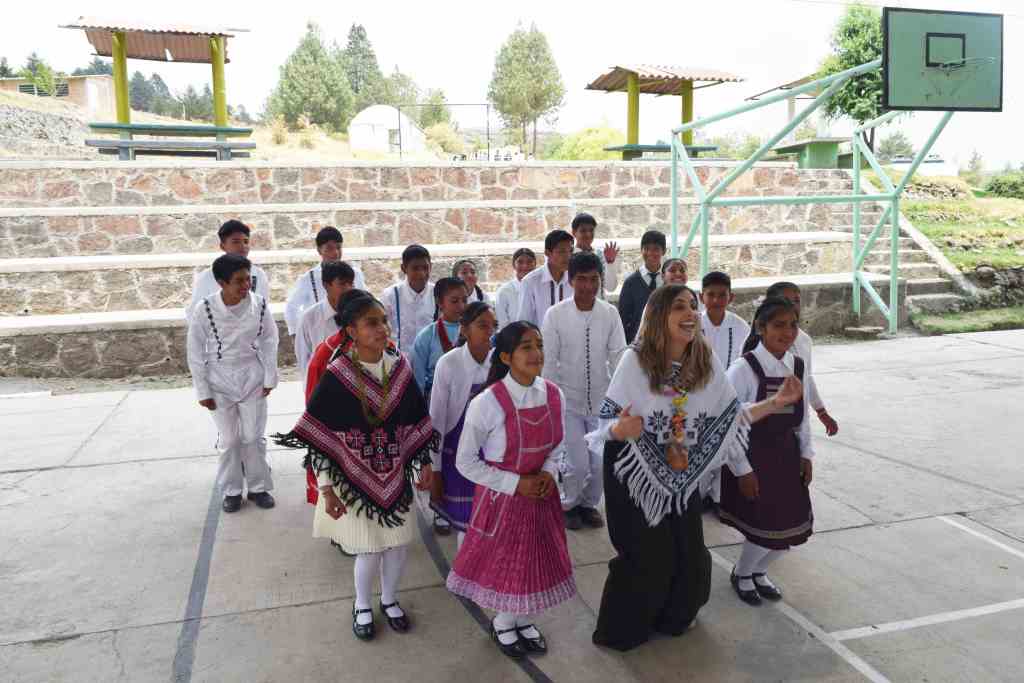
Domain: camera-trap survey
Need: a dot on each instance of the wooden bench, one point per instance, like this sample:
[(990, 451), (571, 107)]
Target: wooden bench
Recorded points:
[(126, 146), (813, 153), (630, 152)]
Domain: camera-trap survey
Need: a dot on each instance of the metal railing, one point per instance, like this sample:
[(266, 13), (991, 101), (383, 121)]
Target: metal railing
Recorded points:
[(706, 199)]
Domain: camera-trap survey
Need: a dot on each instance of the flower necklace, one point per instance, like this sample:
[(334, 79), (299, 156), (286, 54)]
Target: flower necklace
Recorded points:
[(676, 454), (361, 388)]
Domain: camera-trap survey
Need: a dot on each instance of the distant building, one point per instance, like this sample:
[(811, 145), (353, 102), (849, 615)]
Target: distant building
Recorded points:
[(381, 128), (933, 165), (94, 93)]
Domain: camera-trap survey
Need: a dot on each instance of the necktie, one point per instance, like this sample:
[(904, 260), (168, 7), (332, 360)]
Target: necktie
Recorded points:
[(654, 281)]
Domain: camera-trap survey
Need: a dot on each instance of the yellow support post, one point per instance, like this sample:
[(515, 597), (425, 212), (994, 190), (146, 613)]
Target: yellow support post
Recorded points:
[(632, 110), (687, 94), (120, 54), (220, 100)]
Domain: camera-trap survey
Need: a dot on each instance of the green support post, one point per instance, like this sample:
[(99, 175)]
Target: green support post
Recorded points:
[(704, 246), (120, 55), (894, 267), (856, 229), (220, 101), (687, 96), (675, 196)]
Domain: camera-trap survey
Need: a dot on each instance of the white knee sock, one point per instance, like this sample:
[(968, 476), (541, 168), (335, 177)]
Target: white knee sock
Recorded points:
[(367, 566), (762, 567), (390, 574), (749, 559), (503, 621)]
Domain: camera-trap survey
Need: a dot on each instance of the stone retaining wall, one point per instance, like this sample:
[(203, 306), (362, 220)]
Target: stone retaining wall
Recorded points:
[(130, 184), (160, 350), (999, 286), (135, 288), (34, 236)]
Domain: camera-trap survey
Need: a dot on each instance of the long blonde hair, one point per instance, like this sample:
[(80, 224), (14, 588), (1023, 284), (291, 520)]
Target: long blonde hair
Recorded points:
[(653, 342)]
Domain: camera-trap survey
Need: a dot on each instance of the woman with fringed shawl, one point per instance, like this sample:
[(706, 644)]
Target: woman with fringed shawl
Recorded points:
[(669, 419), (367, 432)]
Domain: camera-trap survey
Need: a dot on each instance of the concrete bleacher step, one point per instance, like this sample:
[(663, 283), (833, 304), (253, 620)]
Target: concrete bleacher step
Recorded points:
[(935, 303), (152, 342), (929, 285), (129, 282), (879, 257), (910, 271)]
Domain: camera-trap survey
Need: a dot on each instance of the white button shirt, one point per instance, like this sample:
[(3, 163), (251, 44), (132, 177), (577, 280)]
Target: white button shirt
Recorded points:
[(539, 292), (507, 308), (416, 310), (581, 351), (802, 347), (726, 340), (204, 284), (485, 429), (309, 291), (317, 324), (454, 375), (744, 381)]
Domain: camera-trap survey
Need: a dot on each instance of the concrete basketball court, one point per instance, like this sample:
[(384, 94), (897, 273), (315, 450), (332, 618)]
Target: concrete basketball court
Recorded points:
[(117, 564)]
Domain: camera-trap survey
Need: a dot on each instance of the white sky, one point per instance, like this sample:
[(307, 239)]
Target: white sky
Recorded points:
[(452, 44)]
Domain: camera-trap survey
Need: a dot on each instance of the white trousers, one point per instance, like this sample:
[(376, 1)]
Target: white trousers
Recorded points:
[(241, 419), (581, 469)]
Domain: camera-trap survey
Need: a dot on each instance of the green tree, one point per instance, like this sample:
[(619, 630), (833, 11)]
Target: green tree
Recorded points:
[(163, 102), (32, 64), (587, 145), (97, 66), (206, 104), (442, 135), (399, 89), (895, 144), (191, 103), (44, 78), (140, 92), (242, 114), (313, 84), (5, 69), (435, 110), (856, 39), (974, 174), (364, 76), (526, 84)]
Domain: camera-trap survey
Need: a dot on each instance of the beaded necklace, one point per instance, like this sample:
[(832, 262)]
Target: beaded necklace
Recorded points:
[(679, 397), (368, 413)]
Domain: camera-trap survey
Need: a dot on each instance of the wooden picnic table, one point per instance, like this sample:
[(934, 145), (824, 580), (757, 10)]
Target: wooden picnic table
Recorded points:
[(814, 153), (637, 151), (127, 146)]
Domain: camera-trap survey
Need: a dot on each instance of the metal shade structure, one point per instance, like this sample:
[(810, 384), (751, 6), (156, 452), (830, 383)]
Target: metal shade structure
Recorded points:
[(657, 79), (138, 39)]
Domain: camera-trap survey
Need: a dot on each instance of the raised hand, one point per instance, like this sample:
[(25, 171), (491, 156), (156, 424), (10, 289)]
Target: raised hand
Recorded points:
[(628, 426), (791, 391), (611, 252)]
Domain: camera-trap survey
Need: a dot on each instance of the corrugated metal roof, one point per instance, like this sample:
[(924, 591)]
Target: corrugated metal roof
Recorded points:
[(659, 79), (145, 40)]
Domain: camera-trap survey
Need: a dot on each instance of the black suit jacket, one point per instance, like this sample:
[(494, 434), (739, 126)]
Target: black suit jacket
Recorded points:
[(632, 299)]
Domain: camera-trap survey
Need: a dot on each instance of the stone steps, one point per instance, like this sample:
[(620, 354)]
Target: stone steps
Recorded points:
[(929, 285), (906, 256), (910, 271), (86, 231), (935, 303), (83, 284), (152, 342), (105, 183)]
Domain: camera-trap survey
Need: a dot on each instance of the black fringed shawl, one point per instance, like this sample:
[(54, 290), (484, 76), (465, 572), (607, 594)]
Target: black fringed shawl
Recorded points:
[(372, 467)]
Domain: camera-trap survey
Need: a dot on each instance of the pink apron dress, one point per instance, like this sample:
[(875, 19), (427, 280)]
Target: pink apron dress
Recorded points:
[(514, 558)]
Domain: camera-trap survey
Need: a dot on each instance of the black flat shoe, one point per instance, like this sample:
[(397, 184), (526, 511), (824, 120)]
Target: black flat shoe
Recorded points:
[(573, 520), (590, 517), (767, 592), (263, 499), (749, 597), (442, 527), (362, 631), (231, 503), (400, 624), (514, 650), (537, 646)]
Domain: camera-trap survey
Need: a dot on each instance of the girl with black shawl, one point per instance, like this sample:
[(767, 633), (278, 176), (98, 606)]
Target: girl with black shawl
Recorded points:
[(367, 431)]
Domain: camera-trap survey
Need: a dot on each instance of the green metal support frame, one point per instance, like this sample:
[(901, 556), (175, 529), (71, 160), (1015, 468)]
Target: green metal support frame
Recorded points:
[(706, 199)]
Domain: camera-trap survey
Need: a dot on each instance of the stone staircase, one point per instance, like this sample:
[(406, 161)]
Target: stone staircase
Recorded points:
[(97, 258)]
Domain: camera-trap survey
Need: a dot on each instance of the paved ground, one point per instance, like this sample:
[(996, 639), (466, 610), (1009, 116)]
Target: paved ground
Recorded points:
[(116, 564)]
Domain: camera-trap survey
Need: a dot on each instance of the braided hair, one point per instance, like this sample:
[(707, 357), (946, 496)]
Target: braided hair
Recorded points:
[(506, 341), (766, 311), (472, 312)]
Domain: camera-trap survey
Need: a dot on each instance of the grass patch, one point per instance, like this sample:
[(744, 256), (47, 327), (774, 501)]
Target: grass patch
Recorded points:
[(985, 320), (973, 232)]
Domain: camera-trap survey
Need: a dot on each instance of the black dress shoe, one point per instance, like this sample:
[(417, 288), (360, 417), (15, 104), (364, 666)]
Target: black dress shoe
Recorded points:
[(231, 503), (573, 520), (263, 499), (362, 631), (590, 517), (442, 527), (767, 592), (749, 597), (400, 624), (514, 650), (538, 645)]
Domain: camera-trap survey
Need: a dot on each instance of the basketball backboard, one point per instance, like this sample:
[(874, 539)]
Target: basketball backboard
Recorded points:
[(942, 61)]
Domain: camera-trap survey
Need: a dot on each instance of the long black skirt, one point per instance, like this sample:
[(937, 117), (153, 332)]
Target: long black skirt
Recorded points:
[(661, 576)]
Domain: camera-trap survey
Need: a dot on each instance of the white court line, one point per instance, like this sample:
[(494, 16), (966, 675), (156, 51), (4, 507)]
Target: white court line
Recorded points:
[(845, 653), (930, 620), (984, 537)]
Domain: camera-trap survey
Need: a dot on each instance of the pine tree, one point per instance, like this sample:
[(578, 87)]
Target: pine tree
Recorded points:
[(435, 109), (140, 92), (5, 69), (361, 67), (313, 84)]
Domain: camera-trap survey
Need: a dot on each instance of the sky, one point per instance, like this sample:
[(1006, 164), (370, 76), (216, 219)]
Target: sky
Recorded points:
[(452, 44)]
